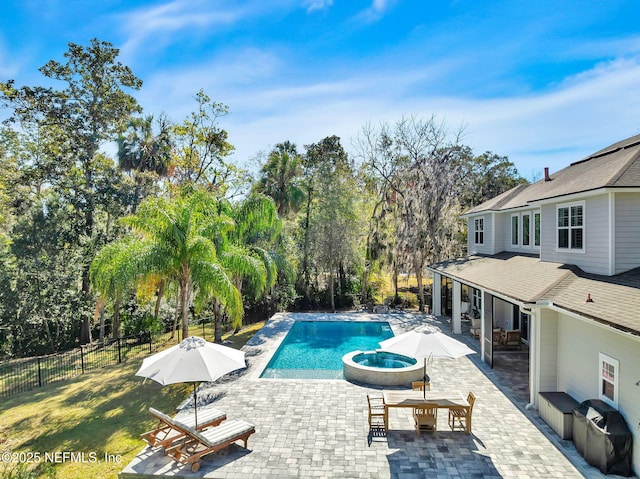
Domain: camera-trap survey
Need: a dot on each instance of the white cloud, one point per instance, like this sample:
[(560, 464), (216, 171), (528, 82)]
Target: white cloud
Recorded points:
[(155, 26), (375, 11), (552, 128), (315, 5)]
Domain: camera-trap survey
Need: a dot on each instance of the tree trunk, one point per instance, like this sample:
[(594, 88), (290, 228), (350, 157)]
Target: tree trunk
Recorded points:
[(331, 289), (175, 319), (115, 330), (365, 278), (100, 307), (217, 322), (418, 269), (184, 303), (305, 251), (160, 293), (85, 326), (396, 296)]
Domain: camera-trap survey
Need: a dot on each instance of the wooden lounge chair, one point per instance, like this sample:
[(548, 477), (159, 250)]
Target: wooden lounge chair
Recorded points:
[(462, 415), (166, 432), (377, 414), (426, 418), (196, 444)]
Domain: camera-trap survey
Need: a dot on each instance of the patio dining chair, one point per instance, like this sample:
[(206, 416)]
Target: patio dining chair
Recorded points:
[(426, 418), (377, 412), (461, 417), (421, 386)]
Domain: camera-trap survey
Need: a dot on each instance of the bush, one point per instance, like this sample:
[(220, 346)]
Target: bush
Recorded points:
[(405, 300)]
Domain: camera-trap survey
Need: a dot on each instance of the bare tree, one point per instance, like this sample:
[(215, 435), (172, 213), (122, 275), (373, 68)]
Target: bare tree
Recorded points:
[(417, 160)]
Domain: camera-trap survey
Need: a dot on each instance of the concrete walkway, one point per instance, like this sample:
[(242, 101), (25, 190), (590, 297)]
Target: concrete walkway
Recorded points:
[(319, 428)]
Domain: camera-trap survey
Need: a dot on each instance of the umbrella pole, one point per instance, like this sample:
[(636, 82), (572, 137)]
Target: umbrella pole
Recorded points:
[(424, 379), (195, 404)]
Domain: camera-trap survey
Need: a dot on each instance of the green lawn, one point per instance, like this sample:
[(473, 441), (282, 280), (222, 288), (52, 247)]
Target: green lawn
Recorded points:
[(102, 412)]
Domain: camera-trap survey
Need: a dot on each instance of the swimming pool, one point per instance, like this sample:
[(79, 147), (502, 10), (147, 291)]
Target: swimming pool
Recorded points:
[(314, 349)]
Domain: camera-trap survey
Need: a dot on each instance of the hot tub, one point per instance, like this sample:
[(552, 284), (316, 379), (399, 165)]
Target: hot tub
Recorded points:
[(381, 368)]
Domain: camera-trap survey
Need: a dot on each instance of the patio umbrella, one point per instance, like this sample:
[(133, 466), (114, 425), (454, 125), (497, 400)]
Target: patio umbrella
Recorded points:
[(192, 361), (423, 343)]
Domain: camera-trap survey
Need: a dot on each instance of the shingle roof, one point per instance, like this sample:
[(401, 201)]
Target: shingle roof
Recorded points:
[(617, 166), (526, 279)]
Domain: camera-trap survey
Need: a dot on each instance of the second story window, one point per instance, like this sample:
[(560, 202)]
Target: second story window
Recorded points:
[(478, 227), (571, 227), (514, 230), (536, 229), (526, 230)]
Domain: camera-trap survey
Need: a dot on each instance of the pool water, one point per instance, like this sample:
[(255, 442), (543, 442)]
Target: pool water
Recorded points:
[(314, 349), (384, 360)]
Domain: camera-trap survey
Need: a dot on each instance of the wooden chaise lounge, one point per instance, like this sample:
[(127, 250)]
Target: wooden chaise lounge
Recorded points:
[(166, 432), (197, 444)]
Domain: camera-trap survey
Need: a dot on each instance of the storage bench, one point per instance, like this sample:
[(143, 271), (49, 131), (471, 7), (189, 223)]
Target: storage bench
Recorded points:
[(556, 409)]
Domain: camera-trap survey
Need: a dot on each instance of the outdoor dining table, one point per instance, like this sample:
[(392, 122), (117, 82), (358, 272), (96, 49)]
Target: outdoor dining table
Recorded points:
[(415, 399)]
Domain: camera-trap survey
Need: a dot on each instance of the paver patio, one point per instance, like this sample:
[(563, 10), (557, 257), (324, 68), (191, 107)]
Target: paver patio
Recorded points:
[(319, 428)]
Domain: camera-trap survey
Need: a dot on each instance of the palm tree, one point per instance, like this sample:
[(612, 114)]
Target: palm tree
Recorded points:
[(176, 240), (280, 178), (141, 150)]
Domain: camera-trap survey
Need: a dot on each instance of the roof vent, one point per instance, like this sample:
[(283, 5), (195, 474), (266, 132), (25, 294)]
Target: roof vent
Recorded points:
[(589, 300), (546, 174)]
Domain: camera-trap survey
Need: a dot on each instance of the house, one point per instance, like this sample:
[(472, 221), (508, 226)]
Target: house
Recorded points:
[(559, 261)]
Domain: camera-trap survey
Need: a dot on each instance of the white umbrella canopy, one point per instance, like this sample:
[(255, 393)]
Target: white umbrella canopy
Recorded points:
[(423, 343), (193, 360)]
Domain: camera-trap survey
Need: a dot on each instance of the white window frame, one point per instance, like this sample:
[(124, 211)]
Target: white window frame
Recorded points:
[(517, 230), (478, 231), (539, 215), (605, 364), (570, 227), (522, 217)]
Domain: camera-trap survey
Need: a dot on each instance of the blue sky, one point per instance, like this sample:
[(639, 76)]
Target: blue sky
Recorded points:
[(544, 83)]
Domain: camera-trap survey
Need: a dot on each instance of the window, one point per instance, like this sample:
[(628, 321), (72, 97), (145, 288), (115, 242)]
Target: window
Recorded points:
[(536, 229), (608, 375), (478, 227), (514, 230), (464, 293), (526, 230), (476, 300), (571, 227)]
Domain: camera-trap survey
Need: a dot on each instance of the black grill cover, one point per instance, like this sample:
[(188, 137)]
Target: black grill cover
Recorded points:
[(602, 437)]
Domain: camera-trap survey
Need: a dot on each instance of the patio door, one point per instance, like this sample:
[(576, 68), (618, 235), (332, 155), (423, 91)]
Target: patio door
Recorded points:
[(524, 326), (446, 292)]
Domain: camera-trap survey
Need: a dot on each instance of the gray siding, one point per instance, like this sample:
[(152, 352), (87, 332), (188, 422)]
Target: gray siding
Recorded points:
[(578, 373), (487, 246), (627, 231), (595, 259)]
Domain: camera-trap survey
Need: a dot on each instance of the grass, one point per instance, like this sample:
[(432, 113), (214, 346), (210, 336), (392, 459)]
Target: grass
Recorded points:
[(103, 412)]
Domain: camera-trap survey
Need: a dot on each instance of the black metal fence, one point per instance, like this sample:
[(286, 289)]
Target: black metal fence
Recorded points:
[(21, 375)]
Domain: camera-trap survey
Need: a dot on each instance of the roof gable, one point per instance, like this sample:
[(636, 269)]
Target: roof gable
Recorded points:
[(617, 166)]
